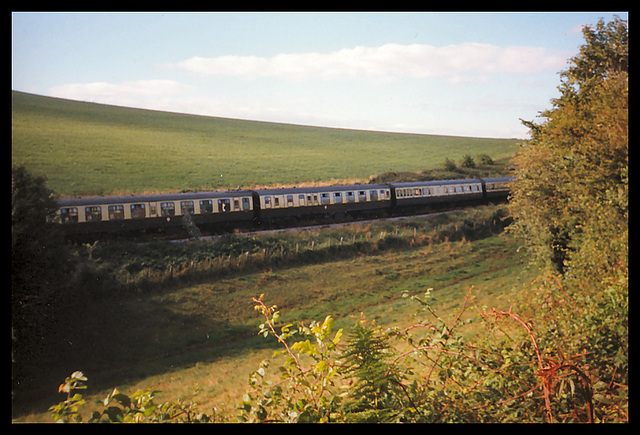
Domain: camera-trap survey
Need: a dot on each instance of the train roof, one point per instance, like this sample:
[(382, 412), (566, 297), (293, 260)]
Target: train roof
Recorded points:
[(435, 182), (499, 179), (319, 189), (155, 197)]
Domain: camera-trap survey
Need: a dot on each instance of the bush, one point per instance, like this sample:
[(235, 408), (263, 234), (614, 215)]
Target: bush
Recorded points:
[(485, 159), (514, 372), (449, 165), (468, 162)]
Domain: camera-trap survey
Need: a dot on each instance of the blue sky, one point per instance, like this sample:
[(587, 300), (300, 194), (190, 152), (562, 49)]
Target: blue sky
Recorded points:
[(463, 74)]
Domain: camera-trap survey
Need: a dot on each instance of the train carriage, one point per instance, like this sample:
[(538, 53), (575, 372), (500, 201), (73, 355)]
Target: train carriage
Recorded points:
[(420, 193), (222, 211), (136, 212), (497, 189), (329, 201)]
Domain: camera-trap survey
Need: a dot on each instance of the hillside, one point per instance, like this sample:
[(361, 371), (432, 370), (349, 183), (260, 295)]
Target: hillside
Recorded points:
[(94, 149)]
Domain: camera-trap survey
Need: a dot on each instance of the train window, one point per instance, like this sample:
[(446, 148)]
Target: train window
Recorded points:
[(267, 202), (69, 214), (373, 194), (301, 200), (337, 197), (167, 208), (236, 204), (186, 207), (116, 212), (324, 198), (362, 196), (417, 191), (206, 206), (224, 205), (245, 204), (137, 211), (350, 197), (276, 201), (386, 193), (289, 200), (93, 214)]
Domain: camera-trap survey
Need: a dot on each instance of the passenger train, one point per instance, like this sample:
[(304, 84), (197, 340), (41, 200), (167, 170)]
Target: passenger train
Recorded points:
[(219, 211)]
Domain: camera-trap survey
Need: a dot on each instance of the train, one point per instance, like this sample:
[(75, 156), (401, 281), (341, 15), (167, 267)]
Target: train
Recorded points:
[(222, 211)]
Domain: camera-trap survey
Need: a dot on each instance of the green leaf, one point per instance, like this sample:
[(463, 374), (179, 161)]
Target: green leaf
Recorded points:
[(122, 399), (305, 347)]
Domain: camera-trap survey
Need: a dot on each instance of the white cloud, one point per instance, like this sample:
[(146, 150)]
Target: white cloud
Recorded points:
[(119, 93), (386, 61)]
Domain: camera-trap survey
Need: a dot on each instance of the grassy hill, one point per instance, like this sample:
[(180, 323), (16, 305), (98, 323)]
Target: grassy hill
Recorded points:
[(88, 148)]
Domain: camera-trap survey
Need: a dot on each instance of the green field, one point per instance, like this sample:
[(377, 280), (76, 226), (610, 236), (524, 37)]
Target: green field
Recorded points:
[(202, 333), (189, 320), (93, 149)]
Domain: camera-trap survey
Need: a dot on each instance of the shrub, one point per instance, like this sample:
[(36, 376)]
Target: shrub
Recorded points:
[(468, 162), (485, 159), (449, 165)]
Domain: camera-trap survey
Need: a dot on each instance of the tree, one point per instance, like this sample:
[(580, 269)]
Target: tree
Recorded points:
[(36, 262), (570, 199), (40, 263)]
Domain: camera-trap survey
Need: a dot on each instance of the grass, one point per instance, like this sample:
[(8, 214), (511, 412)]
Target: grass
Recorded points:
[(93, 149), (204, 334), (201, 331)]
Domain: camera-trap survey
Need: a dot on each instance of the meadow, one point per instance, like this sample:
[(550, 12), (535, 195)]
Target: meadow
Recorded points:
[(200, 333), (179, 318), (94, 149)]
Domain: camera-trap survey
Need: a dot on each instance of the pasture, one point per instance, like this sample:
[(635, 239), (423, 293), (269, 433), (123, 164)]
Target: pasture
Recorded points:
[(197, 329), (93, 149), (203, 334)]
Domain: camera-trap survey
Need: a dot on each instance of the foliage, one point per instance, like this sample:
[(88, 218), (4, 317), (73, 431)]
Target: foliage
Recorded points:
[(36, 254), (140, 407), (113, 267), (40, 267), (449, 165), (429, 371), (570, 199), (570, 203), (467, 162), (485, 159), (485, 168), (377, 392)]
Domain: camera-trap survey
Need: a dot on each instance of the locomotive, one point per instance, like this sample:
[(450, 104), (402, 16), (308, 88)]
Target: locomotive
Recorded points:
[(217, 211)]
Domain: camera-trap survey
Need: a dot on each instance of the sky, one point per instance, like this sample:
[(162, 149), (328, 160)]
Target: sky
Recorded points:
[(459, 74)]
